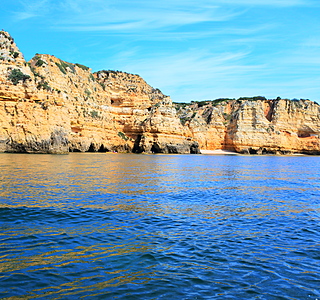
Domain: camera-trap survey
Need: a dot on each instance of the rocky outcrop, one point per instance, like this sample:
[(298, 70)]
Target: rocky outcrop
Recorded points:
[(259, 126), (51, 106)]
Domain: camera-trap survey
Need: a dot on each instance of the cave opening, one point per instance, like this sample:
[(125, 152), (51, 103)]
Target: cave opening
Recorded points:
[(303, 134), (91, 148), (252, 151), (156, 148), (103, 149), (136, 147)]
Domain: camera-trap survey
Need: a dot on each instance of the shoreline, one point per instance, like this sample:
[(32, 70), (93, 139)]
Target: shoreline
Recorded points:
[(219, 151), (229, 152)]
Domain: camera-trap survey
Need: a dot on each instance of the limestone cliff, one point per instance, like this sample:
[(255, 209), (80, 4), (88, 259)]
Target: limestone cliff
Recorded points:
[(51, 106), (255, 126)]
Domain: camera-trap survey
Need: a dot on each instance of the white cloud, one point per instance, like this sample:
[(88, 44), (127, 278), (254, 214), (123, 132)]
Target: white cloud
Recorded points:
[(268, 2), (31, 9), (193, 69), (163, 13), (198, 74), (194, 49), (128, 18), (19, 16)]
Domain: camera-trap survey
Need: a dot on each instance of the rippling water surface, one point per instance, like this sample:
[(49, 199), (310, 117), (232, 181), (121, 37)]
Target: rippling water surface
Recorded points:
[(121, 226)]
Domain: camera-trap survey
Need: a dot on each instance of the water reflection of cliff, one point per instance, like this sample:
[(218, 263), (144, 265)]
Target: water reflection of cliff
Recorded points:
[(90, 225), (162, 184)]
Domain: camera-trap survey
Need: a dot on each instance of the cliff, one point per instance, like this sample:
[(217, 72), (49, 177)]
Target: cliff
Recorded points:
[(257, 126), (51, 106)]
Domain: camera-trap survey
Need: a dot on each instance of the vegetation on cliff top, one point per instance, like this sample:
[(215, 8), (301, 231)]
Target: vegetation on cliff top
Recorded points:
[(225, 100), (85, 68)]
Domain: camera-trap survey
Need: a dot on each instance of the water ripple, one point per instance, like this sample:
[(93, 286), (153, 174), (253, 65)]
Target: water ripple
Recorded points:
[(159, 227)]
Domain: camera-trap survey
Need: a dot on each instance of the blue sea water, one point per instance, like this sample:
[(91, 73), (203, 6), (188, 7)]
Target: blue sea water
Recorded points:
[(124, 226)]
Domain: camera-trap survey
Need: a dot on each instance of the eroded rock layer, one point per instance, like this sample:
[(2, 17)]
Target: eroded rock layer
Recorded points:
[(255, 127), (51, 106)]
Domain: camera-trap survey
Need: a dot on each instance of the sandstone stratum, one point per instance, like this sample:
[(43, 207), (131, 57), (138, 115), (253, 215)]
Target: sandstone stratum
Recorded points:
[(51, 106)]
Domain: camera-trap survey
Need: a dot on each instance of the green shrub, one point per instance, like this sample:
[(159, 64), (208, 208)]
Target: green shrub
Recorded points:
[(92, 77), (43, 85), (180, 104), (33, 70), (202, 103), (87, 92), (16, 75), (94, 114), (220, 101), (185, 118), (103, 85), (40, 62), (65, 65), (227, 117), (82, 67), (122, 135), (255, 98), (62, 69), (72, 68), (158, 104)]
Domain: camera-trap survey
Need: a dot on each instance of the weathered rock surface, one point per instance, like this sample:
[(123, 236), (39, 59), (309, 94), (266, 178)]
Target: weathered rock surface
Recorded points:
[(51, 106), (256, 127)]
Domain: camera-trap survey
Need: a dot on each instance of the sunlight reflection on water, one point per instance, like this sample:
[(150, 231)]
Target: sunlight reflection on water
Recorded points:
[(159, 226)]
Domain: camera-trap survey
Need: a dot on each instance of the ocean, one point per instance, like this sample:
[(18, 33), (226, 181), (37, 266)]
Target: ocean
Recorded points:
[(126, 226)]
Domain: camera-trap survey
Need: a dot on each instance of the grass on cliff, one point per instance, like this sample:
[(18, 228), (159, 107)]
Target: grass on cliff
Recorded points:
[(85, 68), (123, 136), (64, 65), (40, 62), (44, 85), (16, 75)]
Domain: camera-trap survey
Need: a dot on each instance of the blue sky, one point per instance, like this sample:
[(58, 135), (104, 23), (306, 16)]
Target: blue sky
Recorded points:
[(191, 50)]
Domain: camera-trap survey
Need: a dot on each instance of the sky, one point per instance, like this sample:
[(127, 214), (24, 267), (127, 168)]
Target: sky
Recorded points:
[(191, 50)]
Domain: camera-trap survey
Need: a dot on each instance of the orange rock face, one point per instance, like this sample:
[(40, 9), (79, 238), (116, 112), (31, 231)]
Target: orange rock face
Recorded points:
[(51, 106), (257, 127)]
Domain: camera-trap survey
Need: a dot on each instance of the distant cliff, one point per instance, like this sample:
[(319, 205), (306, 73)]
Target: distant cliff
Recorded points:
[(255, 126), (51, 106)]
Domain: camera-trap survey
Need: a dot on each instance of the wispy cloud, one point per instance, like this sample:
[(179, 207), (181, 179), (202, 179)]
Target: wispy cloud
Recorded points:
[(31, 9), (197, 74), (102, 15), (139, 15), (24, 15), (283, 3), (191, 48), (193, 68), (128, 18)]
